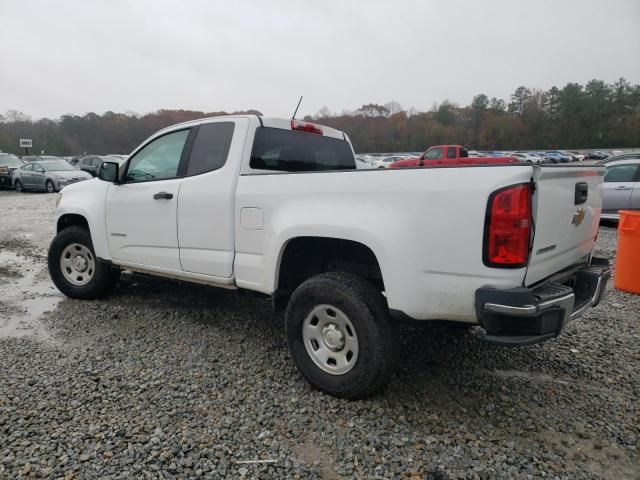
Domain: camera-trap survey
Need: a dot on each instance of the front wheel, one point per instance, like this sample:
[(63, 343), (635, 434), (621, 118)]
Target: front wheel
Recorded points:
[(49, 187), (340, 336), (18, 186), (74, 268)]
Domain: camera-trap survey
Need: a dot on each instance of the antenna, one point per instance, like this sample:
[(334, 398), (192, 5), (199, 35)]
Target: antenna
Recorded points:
[(296, 111)]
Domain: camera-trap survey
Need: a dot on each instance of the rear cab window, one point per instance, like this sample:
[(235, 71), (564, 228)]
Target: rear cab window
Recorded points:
[(283, 150)]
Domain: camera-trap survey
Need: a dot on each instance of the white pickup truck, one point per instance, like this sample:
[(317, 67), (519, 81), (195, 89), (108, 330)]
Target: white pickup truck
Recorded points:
[(277, 207)]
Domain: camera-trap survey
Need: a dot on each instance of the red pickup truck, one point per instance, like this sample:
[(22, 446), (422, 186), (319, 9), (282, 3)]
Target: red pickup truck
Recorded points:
[(449, 155)]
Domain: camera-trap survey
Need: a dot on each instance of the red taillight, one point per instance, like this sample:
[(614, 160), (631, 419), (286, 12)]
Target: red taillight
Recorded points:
[(305, 127), (508, 227)]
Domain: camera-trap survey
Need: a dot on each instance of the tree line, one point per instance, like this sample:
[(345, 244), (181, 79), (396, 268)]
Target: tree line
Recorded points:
[(594, 115)]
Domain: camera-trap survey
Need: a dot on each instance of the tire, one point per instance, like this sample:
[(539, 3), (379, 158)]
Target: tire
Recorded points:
[(49, 187), (353, 297), (18, 186), (95, 281)]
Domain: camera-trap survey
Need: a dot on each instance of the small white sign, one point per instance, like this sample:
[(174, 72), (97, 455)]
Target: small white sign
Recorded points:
[(26, 143)]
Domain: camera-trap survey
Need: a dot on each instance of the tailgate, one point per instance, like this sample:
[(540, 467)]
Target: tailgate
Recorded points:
[(566, 225)]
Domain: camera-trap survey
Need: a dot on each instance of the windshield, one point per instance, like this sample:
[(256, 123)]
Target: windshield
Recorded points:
[(10, 160), (58, 166)]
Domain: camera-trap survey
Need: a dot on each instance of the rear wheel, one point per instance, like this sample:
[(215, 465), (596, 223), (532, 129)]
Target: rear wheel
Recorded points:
[(74, 268), (49, 186), (340, 336), (18, 186)]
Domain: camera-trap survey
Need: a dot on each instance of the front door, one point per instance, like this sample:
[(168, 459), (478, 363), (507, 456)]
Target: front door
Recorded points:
[(142, 209)]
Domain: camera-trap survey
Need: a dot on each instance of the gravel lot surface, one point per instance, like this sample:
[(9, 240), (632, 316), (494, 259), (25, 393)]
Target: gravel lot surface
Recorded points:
[(163, 380)]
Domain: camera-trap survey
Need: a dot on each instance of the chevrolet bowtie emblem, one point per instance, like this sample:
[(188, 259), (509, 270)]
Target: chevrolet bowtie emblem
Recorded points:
[(578, 217)]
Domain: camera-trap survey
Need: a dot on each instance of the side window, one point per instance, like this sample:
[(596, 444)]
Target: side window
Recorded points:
[(451, 152), (38, 168), (210, 148), (28, 167), (434, 154), (620, 173), (95, 161), (159, 159)]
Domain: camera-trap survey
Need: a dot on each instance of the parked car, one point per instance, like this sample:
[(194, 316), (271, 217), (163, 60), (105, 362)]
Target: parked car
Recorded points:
[(449, 155), (560, 156), (624, 156), (384, 162), (621, 188), (578, 156), (9, 163), (73, 160), (47, 176), (556, 157), (89, 164), (528, 157), (295, 220), (597, 155)]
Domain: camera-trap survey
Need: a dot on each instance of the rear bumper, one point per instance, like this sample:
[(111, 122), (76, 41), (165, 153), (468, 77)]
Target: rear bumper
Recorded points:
[(524, 316), (610, 216)]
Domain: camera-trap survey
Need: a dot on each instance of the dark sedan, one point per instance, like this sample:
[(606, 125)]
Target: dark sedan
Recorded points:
[(9, 163)]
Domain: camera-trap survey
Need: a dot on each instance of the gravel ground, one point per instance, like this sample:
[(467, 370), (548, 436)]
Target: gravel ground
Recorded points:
[(163, 380)]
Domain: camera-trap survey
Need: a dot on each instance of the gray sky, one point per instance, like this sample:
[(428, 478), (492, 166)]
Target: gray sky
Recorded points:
[(76, 56)]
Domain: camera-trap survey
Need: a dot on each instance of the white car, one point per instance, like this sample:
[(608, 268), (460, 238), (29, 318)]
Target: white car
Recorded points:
[(528, 157), (277, 207), (384, 162)]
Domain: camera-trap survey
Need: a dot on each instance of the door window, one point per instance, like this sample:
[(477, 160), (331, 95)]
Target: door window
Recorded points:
[(38, 168), (28, 167), (620, 173), (451, 152), (159, 159), (211, 147), (434, 154)]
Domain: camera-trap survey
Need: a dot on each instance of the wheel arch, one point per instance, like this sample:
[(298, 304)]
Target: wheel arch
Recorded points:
[(71, 219), (302, 257)]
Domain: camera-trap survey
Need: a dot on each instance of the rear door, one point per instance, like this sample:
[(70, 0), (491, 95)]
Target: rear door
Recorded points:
[(206, 201), (619, 181), (566, 209), (24, 174)]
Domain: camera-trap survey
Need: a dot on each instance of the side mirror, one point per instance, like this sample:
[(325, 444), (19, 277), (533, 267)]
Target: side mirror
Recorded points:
[(108, 172)]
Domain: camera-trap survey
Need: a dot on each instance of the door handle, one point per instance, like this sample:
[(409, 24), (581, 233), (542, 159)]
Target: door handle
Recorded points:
[(165, 195), (621, 187)]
